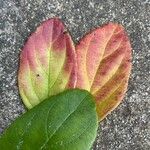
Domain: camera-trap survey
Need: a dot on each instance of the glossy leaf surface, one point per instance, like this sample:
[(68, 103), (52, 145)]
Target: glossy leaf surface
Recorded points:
[(67, 121), (47, 63), (104, 65)]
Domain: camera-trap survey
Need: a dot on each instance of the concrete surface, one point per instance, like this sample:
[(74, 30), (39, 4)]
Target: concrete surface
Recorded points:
[(128, 127)]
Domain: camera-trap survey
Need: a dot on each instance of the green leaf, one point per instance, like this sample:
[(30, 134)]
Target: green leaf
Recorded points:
[(67, 121)]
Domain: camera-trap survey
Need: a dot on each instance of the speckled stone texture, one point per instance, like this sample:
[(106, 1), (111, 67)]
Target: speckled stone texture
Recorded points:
[(128, 127)]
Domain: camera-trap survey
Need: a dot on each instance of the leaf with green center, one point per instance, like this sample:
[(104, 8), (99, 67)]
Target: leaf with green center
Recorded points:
[(104, 65), (47, 63), (67, 121)]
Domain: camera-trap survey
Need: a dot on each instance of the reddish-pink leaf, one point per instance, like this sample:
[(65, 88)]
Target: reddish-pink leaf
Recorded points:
[(47, 63), (104, 65)]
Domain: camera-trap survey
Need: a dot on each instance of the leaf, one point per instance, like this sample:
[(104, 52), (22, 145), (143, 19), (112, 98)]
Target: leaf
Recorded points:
[(47, 63), (67, 121), (104, 65)]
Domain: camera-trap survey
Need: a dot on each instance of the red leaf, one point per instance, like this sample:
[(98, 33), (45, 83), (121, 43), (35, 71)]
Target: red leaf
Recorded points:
[(47, 63), (104, 65)]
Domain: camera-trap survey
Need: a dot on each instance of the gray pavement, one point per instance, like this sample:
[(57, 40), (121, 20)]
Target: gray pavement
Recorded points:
[(128, 127)]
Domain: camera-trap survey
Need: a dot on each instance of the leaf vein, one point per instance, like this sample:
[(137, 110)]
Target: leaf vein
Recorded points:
[(31, 79), (102, 56), (65, 120)]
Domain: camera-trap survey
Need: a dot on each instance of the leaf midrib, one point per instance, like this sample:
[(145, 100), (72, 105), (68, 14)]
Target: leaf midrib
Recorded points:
[(63, 122)]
